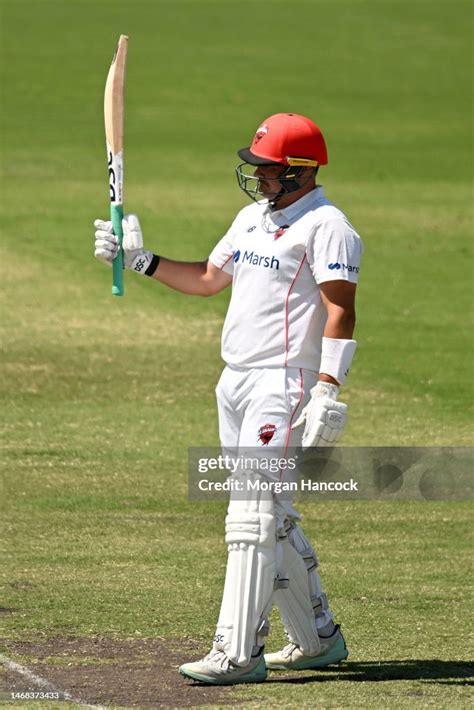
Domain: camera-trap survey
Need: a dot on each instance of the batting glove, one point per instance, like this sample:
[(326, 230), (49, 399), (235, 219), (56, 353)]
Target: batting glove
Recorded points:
[(324, 419), (107, 244)]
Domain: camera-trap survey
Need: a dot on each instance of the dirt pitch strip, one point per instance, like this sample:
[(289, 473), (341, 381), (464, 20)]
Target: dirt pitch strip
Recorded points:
[(102, 672)]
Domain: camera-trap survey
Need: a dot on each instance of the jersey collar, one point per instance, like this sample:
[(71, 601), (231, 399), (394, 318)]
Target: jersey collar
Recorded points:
[(302, 205)]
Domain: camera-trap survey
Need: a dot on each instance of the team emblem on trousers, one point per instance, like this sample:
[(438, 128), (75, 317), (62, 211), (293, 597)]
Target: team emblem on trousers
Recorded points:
[(265, 433)]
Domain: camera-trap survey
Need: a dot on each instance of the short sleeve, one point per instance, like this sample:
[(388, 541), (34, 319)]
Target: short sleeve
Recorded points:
[(221, 255), (334, 251)]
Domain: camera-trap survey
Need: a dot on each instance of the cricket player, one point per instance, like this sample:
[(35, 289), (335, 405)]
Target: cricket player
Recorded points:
[(293, 261)]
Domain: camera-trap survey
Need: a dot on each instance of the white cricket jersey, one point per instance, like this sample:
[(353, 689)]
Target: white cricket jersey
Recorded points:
[(277, 259)]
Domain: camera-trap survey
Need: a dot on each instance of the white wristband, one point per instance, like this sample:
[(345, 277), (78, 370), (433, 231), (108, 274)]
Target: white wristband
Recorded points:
[(336, 358)]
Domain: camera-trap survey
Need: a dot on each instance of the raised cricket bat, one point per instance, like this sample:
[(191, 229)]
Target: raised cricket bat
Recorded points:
[(113, 115)]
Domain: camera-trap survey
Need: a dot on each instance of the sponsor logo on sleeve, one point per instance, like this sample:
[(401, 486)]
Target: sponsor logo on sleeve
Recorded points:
[(335, 266)]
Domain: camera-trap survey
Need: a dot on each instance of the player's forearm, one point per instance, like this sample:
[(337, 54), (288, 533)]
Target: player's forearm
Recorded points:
[(340, 323), (185, 276)]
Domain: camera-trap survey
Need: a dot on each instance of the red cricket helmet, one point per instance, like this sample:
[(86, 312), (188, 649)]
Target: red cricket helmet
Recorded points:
[(286, 139)]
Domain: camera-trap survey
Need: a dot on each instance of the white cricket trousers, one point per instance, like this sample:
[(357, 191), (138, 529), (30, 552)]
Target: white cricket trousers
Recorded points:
[(257, 408)]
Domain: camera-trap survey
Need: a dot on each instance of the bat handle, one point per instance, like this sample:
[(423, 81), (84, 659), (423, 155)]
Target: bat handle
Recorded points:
[(116, 214)]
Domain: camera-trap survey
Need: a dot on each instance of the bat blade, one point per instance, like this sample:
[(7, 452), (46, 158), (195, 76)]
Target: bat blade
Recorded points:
[(114, 120)]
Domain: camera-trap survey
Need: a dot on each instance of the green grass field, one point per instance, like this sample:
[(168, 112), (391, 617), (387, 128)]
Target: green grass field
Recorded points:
[(102, 397)]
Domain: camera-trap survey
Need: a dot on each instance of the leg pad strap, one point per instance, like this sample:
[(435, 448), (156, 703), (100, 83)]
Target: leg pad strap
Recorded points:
[(250, 529)]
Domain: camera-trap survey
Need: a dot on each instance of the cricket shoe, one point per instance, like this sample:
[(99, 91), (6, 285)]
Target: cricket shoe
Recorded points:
[(217, 669), (291, 658)]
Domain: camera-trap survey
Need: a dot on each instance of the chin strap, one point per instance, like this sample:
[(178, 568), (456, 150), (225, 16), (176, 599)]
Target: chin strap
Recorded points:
[(289, 183)]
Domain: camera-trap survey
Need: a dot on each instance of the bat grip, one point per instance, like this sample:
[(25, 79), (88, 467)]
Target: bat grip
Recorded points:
[(116, 214)]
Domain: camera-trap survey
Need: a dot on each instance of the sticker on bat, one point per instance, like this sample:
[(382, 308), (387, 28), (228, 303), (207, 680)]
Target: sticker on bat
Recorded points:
[(111, 178), (115, 165)]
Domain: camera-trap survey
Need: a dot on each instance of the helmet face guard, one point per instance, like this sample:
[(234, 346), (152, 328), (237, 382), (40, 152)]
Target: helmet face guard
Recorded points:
[(288, 181)]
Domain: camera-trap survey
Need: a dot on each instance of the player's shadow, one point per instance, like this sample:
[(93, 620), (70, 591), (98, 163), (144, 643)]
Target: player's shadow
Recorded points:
[(431, 670)]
